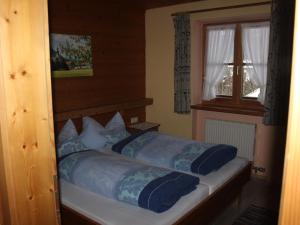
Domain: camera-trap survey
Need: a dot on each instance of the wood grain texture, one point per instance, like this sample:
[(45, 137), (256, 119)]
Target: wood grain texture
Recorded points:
[(1, 212), (290, 197), (26, 122), (63, 116), (117, 29), (118, 47), (4, 212), (223, 8), (160, 3), (201, 214), (103, 118), (104, 113)]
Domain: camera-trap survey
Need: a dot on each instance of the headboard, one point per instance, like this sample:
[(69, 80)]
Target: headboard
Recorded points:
[(104, 113)]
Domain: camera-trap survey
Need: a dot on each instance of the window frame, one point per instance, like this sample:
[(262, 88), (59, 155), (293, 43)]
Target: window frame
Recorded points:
[(235, 103)]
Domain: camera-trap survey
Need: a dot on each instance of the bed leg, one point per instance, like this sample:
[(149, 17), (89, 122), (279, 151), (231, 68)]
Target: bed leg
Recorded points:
[(237, 202)]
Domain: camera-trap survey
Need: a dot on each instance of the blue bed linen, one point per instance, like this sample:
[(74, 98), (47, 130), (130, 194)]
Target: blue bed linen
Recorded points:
[(175, 153), (148, 187)]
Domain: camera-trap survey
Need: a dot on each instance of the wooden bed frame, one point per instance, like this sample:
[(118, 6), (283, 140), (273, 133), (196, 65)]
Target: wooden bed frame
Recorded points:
[(203, 213), (105, 112)]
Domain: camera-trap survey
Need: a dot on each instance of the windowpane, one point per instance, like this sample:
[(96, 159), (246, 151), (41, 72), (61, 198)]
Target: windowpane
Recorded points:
[(250, 90), (255, 45), (225, 86), (219, 53), (236, 56)]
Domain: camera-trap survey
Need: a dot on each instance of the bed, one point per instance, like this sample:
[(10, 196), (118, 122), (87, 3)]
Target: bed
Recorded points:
[(217, 190), (199, 207)]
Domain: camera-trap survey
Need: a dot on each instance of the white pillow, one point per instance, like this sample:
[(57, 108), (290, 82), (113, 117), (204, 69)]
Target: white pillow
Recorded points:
[(92, 139), (116, 122), (88, 122), (68, 131)]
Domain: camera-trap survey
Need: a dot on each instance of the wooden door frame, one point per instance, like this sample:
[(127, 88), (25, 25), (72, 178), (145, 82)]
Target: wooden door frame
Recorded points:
[(290, 196), (27, 152)]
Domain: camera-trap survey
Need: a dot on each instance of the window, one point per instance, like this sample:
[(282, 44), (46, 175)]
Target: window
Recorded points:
[(235, 68)]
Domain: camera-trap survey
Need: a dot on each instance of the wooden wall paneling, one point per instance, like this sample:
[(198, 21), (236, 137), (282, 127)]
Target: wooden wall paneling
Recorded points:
[(149, 4), (103, 118), (118, 45), (26, 121), (104, 113), (290, 197)]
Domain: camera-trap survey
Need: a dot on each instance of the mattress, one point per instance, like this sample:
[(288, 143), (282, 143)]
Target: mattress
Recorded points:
[(216, 179), (110, 212)]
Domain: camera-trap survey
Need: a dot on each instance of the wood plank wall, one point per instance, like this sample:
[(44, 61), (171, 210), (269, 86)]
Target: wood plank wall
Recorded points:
[(149, 4), (118, 44)]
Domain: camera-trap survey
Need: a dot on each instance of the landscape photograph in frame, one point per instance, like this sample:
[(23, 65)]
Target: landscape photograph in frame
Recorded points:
[(71, 55)]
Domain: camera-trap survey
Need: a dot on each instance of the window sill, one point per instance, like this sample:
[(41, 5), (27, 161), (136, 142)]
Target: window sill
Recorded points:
[(226, 109)]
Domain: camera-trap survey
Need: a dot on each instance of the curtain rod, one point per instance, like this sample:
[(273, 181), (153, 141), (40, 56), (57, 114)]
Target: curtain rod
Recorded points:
[(221, 8)]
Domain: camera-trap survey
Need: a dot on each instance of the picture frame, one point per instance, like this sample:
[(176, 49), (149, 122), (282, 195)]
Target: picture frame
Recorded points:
[(71, 55)]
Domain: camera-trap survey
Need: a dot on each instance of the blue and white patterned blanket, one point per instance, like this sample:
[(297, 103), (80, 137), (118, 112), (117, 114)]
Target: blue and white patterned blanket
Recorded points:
[(175, 153), (149, 187)]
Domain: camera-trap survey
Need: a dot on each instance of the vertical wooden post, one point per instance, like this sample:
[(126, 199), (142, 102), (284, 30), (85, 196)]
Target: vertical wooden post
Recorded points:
[(2, 184), (4, 212), (1, 213), (290, 197), (27, 152)]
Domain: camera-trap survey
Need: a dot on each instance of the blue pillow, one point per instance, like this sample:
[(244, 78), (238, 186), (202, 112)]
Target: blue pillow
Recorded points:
[(69, 146), (90, 122), (114, 135), (116, 122), (91, 138), (95, 136), (68, 131)]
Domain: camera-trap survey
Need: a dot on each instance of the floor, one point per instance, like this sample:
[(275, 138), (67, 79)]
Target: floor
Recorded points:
[(258, 192)]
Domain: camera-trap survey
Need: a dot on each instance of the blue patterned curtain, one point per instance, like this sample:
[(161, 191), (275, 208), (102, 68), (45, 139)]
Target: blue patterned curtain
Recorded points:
[(182, 98), (279, 63)]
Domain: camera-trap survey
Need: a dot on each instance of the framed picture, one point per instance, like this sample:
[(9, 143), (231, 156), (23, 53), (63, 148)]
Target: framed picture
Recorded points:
[(71, 55)]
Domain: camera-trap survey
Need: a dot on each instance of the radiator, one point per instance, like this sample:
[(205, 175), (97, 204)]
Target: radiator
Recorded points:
[(240, 135)]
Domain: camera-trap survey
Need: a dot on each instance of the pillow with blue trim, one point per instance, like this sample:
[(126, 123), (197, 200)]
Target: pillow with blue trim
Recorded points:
[(71, 145), (113, 136), (115, 130)]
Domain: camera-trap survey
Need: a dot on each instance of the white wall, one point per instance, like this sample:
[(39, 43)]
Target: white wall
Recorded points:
[(160, 58), (160, 73)]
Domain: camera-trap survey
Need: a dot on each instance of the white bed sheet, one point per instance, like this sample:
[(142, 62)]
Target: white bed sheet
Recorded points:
[(110, 212), (216, 179)]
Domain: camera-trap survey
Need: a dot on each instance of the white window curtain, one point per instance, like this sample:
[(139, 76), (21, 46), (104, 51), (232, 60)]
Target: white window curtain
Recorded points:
[(255, 42), (219, 50)]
